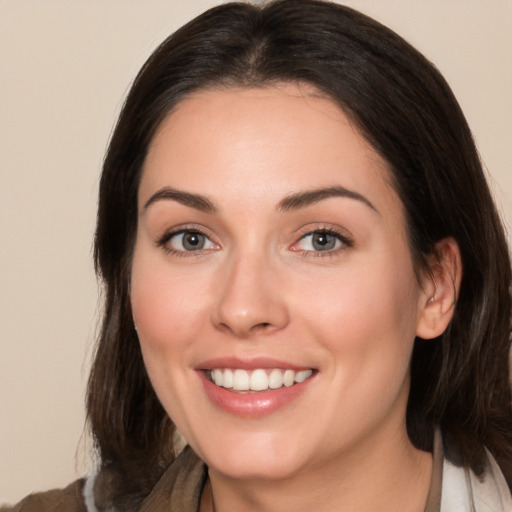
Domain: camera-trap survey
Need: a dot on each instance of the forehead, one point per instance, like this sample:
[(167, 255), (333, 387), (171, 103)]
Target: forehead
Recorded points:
[(261, 142)]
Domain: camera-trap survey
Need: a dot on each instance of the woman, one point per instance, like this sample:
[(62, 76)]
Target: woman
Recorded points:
[(305, 275)]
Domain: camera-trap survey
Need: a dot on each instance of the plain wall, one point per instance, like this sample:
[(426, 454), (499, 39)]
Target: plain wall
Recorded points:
[(65, 67)]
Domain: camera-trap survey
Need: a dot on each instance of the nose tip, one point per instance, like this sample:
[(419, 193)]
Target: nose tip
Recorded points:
[(254, 318), (250, 302), (243, 326)]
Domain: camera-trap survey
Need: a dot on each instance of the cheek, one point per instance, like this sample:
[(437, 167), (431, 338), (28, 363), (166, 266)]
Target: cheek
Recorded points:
[(166, 306), (366, 318), (165, 311)]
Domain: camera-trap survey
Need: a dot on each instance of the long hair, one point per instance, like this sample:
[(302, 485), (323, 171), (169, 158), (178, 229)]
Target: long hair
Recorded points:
[(402, 105)]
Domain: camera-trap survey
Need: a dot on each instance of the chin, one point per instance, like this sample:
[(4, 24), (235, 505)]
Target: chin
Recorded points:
[(264, 468), (259, 457)]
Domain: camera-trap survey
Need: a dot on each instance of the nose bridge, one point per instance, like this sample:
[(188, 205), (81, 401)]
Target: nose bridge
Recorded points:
[(249, 298)]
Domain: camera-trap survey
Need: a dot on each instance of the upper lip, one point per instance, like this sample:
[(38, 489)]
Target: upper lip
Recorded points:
[(249, 364)]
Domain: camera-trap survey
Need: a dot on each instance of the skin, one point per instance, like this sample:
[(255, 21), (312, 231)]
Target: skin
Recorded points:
[(260, 288)]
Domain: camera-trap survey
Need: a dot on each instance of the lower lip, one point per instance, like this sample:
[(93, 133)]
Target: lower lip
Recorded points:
[(252, 404)]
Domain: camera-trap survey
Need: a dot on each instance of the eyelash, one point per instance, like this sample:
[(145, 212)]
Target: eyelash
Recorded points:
[(345, 243), (164, 240)]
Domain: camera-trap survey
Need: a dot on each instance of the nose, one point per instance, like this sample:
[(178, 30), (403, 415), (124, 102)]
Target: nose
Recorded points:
[(250, 298)]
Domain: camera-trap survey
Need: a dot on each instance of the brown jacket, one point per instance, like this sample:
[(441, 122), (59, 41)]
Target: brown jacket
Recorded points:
[(179, 490), (69, 499)]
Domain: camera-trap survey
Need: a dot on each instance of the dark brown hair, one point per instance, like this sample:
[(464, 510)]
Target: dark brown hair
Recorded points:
[(404, 108)]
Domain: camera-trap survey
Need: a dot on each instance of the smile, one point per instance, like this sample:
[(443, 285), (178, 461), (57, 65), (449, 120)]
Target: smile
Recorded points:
[(257, 380)]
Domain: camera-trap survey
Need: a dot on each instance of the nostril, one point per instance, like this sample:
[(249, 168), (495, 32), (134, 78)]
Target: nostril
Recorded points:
[(263, 326)]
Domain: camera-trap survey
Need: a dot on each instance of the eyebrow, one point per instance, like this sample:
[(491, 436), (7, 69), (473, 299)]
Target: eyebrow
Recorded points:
[(196, 201), (289, 203), (306, 198)]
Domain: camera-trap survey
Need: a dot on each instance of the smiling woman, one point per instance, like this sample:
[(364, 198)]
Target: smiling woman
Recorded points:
[(279, 291), (306, 280)]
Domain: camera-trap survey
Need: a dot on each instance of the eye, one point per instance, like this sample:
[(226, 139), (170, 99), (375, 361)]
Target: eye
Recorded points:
[(187, 241), (321, 241)]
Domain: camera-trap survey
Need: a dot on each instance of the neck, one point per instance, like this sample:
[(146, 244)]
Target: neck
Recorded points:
[(392, 475)]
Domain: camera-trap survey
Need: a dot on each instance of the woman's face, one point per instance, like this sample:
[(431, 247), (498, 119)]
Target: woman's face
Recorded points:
[(273, 287)]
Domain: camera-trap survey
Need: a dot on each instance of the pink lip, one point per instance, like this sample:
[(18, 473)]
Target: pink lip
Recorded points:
[(251, 404), (248, 364)]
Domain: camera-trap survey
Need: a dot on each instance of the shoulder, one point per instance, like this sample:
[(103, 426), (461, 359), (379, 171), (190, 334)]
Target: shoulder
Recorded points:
[(179, 488), (69, 499)]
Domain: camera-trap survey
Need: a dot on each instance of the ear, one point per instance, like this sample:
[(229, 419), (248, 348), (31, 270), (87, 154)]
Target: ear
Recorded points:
[(440, 289)]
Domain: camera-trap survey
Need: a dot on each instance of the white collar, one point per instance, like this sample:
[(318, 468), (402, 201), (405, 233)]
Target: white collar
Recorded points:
[(463, 491)]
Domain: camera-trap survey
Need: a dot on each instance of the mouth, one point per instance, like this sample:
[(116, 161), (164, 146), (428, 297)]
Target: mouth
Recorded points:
[(255, 387), (257, 380)]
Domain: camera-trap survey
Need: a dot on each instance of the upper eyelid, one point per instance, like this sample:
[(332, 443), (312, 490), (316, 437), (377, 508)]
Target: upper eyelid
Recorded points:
[(339, 236), (169, 233), (322, 227)]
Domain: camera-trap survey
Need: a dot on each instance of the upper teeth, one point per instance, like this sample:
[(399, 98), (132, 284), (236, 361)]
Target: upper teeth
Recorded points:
[(258, 380)]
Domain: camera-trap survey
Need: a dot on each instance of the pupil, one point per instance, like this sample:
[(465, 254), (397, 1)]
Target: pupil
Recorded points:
[(193, 241), (323, 241)]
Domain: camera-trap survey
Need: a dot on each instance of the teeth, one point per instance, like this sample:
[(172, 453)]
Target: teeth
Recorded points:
[(227, 378), (240, 380), (302, 375), (288, 378), (257, 380), (275, 379), (218, 377)]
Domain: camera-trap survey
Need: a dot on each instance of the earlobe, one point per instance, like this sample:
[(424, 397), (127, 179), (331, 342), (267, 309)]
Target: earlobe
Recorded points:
[(441, 287)]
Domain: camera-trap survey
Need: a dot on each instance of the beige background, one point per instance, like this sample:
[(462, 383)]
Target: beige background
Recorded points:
[(64, 68)]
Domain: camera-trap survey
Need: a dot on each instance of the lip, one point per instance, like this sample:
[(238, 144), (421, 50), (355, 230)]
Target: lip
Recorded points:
[(249, 364), (251, 404)]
